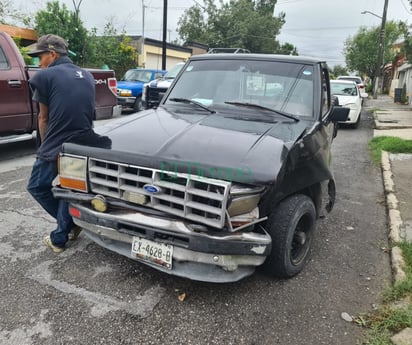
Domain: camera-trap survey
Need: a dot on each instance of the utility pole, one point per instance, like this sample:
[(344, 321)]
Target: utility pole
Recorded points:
[(379, 67), (164, 34), (142, 46)]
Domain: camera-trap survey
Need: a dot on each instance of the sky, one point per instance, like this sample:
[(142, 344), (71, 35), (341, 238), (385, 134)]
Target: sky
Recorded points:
[(316, 27)]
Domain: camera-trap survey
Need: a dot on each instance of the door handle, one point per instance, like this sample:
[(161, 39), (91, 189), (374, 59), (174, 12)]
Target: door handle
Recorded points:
[(14, 83)]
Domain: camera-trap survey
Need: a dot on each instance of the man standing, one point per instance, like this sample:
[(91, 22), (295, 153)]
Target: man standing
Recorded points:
[(66, 97)]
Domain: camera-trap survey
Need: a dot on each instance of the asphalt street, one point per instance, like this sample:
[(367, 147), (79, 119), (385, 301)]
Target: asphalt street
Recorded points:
[(89, 295)]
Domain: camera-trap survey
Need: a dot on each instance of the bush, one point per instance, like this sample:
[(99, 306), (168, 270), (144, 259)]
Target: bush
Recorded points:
[(404, 97), (369, 88)]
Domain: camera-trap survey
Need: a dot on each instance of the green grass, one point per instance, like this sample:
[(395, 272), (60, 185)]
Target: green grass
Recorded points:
[(389, 319), (372, 110), (403, 288), (387, 322), (390, 144)]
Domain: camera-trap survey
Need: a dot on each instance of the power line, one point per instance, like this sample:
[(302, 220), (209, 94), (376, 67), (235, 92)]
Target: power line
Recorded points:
[(288, 2), (406, 8), (323, 28)]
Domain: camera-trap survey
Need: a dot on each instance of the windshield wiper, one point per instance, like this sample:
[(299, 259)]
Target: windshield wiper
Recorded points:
[(190, 101), (258, 106)]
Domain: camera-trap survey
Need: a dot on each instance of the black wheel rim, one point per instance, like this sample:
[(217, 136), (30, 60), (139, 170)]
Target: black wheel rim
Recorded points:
[(301, 241)]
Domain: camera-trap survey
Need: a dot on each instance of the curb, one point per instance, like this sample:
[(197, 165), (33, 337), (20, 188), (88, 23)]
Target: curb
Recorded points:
[(395, 220)]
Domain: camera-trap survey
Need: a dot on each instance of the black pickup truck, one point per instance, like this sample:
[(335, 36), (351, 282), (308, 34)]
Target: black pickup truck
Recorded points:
[(230, 172)]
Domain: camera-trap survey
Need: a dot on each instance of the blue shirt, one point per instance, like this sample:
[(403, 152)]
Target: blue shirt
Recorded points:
[(69, 93)]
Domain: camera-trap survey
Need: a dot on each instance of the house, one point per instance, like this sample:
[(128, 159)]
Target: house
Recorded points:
[(397, 73), (404, 77), (401, 72), (27, 36), (150, 52)]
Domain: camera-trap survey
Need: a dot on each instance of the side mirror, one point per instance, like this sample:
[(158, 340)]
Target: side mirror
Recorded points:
[(364, 95), (335, 100), (339, 114)]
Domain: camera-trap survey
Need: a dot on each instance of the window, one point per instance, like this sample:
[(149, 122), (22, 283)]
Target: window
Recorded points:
[(4, 64), (325, 98), (277, 85)]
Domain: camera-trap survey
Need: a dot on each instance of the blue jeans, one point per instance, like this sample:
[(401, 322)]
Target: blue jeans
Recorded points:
[(39, 186)]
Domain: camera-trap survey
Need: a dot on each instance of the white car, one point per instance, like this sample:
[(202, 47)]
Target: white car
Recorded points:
[(358, 80), (154, 90), (349, 96)]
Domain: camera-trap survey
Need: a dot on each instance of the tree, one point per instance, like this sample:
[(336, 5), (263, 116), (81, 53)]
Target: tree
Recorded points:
[(287, 49), (91, 50), (112, 50), (247, 24), (60, 21), (361, 50), (10, 15), (338, 70), (407, 44), (23, 51)]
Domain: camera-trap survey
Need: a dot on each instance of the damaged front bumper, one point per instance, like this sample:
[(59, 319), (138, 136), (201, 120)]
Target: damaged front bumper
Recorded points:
[(199, 253)]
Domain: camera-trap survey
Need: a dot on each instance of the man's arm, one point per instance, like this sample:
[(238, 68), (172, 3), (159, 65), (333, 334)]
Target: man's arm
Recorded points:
[(43, 120)]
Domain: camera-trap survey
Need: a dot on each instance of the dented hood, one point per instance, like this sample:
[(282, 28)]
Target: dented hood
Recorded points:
[(212, 145)]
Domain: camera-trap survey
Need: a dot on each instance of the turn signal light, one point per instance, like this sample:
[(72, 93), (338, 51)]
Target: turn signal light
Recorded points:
[(70, 183)]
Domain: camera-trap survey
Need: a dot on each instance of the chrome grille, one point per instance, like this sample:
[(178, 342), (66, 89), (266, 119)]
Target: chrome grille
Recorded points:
[(197, 198)]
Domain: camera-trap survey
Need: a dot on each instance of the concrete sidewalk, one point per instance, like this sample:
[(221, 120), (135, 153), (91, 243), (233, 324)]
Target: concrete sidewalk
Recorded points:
[(392, 119)]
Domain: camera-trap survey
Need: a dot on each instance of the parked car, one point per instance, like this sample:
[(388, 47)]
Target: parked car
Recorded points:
[(130, 87), (18, 113), (349, 96), (154, 90), (358, 80), (230, 172)]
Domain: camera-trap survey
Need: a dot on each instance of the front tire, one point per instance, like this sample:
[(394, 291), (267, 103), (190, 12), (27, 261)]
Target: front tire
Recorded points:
[(292, 227), (137, 106), (356, 124)]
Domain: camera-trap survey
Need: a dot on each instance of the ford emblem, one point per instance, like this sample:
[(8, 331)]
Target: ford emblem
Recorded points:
[(151, 188)]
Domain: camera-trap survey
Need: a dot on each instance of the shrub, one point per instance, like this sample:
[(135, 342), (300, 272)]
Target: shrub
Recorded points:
[(404, 97)]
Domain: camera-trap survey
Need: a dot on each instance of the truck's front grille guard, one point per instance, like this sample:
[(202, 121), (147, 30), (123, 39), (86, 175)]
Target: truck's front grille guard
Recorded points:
[(153, 94), (197, 198)]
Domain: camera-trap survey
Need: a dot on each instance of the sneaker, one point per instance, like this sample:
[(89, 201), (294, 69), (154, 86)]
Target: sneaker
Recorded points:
[(74, 233), (47, 241)]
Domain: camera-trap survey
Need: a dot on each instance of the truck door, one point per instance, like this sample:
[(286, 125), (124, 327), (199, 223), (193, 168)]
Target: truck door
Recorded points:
[(15, 110)]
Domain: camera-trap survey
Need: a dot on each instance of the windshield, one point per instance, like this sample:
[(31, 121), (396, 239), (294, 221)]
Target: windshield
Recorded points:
[(343, 89), (224, 84), (137, 75), (357, 80), (174, 71)]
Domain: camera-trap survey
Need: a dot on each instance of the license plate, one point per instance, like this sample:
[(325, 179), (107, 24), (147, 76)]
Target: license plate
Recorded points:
[(158, 253)]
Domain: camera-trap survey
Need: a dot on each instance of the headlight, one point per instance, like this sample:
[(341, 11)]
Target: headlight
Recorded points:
[(244, 199), (350, 105), (72, 172), (144, 92), (124, 93)]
